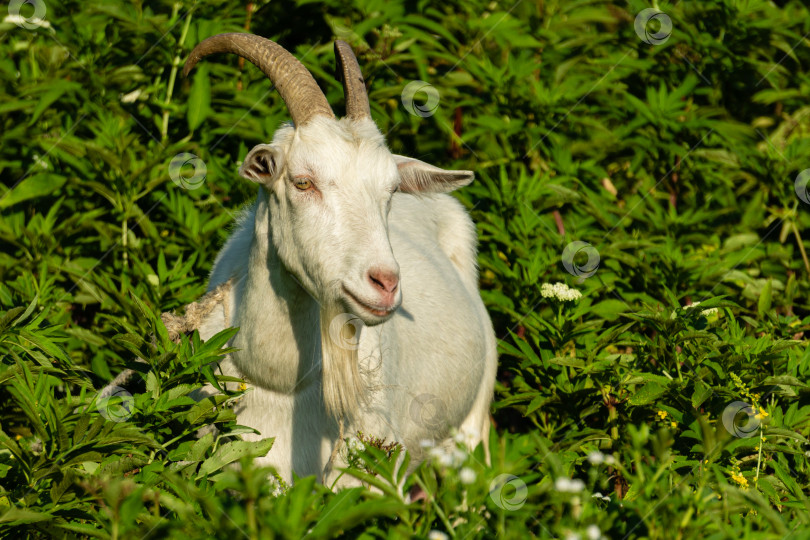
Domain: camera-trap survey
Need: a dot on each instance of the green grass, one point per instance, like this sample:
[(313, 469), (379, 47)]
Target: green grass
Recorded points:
[(676, 162)]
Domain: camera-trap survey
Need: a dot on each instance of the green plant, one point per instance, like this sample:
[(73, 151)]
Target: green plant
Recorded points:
[(629, 412)]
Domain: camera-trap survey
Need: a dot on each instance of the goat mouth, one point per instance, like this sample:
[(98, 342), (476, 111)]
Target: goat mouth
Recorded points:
[(377, 311)]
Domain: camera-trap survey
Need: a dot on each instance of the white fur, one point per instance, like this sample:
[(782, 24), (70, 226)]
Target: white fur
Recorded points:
[(427, 368)]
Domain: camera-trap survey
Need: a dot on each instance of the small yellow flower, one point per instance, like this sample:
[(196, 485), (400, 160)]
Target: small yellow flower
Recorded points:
[(673, 424), (761, 414), (740, 479), (662, 415), (242, 387)]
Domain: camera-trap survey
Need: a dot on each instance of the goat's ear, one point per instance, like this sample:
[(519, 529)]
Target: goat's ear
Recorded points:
[(262, 164), (420, 177)]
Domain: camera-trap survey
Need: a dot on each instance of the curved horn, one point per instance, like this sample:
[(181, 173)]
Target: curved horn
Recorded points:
[(354, 88), (293, 81)]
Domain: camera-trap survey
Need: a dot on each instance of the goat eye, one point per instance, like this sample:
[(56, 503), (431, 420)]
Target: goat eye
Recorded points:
[(302, 184)]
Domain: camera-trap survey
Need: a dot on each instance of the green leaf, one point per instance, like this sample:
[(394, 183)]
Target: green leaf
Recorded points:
[(200, 447), (764, 303), (33, 186), (199, 98), (9, 317), (58, 488), (345, 511), (20, 516), (701, 393), (648, 393), (785, 380), (570, 361), (56, 90), (234, 451)]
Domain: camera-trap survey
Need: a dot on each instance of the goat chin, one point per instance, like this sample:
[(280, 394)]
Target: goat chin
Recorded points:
[(343, 388)]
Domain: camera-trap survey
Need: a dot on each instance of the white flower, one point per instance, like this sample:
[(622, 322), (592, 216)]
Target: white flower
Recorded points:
[(568, 485), (277, 488), (448, 457), (601, 497), (464, 436), (441, 457), (40, 162), (425, 444), (560, 291), (572, 536), (355, 445), (466, 475), (593, 532), (610, 460), (437, 535), (596, 458), (446, 460)]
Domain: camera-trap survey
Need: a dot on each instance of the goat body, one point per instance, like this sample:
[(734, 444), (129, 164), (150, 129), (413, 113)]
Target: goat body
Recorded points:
[(358, 307)]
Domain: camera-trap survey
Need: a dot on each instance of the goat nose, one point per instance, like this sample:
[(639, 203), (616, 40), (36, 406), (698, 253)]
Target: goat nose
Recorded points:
[(385, 280)]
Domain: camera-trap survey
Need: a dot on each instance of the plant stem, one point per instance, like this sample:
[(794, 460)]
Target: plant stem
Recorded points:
[(251, 517), (124, 240), (759, 457), (164, 130), (801, 246), (439, 511)]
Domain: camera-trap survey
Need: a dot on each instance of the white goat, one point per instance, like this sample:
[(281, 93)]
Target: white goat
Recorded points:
[(345, 237)]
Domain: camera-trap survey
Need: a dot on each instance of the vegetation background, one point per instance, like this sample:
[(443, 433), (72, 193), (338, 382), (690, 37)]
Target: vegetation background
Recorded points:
[(676, 154)]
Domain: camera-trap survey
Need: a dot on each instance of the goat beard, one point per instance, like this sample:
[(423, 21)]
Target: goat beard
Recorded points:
[(343, 387)]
